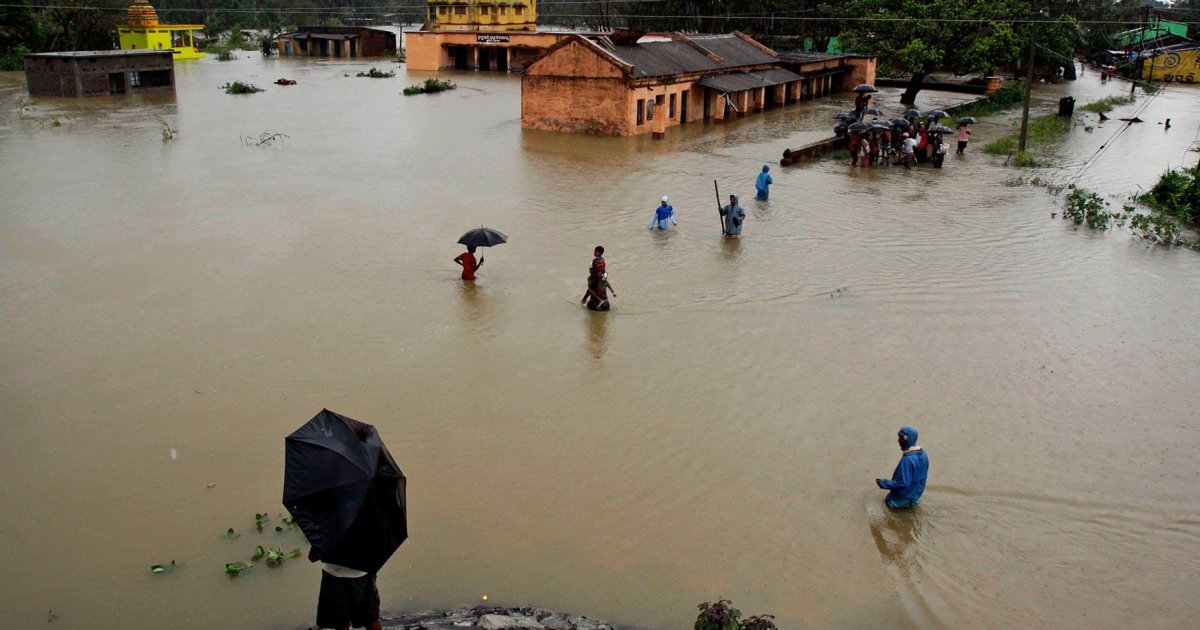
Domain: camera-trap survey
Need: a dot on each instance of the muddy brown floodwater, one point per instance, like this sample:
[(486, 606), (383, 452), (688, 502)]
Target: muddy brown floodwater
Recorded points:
[(717, 434)]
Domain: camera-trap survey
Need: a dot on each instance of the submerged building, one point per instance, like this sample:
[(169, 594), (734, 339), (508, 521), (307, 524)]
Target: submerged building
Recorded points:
[(98, 72), (478, 35), (620, 86), (142, 31), (338, 41)]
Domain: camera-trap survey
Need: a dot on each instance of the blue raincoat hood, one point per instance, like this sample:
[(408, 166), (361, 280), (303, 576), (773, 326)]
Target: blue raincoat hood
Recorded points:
[(910, 435)]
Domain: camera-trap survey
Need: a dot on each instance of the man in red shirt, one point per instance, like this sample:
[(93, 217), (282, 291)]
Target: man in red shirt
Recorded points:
[(466, 260)]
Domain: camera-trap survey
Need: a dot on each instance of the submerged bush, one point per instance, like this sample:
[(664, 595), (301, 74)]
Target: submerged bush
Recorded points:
[(226, 55), (237, 87), (1106, 104), (721, 615), (1177, 194), (375, 73), (430, 86), (1083, 206), (998, 101)]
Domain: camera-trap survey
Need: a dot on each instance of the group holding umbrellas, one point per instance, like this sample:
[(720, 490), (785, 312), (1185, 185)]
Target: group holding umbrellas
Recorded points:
[(914, 137)]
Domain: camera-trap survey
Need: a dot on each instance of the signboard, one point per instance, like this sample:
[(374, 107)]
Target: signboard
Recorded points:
[(1181, 66), (491, 39)]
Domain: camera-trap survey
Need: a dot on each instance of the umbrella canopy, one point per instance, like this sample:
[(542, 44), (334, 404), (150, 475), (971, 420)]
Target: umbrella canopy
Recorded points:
[(967, 120), (845, 116), (859, 126), (881, 124), (482, 237), (937, 113), (915, 113), (345, 491), (872, 111), (900, 122), (940, 129), (865, 87)]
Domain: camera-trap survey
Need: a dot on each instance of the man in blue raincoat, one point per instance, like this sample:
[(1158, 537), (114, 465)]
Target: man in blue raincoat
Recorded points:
[(908, 481), (763, 185), (733, 216), (663, 214)]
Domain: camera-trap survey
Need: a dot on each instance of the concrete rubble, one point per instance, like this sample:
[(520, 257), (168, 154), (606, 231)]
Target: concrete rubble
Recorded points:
[(495, 618)]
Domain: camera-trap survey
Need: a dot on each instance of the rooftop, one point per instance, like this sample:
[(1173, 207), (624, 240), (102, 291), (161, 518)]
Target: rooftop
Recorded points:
[(94, 54), (688, 54)]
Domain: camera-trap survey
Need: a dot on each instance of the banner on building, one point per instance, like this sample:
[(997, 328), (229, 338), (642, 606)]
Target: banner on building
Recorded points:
[(484, 38), (1181, 66)]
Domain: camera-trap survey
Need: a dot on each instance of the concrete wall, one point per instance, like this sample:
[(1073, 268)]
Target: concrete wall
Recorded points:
[(862, 70), (576, 90)]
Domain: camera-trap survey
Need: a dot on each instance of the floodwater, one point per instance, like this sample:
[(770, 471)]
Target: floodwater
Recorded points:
[(171, 310)]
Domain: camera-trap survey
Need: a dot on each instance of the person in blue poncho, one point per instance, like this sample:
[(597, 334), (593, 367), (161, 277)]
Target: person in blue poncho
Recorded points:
[(662, 214), (763, 185), (908, 481)]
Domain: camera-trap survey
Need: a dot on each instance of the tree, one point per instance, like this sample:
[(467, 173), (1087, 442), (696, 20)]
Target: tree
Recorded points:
[(919, 37)]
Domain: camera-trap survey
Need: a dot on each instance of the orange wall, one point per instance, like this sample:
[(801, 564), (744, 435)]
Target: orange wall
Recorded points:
[(584, 105)]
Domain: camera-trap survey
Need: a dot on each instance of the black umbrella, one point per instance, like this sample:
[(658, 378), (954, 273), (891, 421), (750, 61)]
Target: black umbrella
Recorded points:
[(934, 114), (872, 111), (345, 491), (859, 126), (900, 122), (482, 237), (845, 116), (881, 124), (967, 120), (865, 87), (912, 112), (940, 129)]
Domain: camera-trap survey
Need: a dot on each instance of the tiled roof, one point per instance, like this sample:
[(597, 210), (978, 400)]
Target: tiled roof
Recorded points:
[(663, 58)]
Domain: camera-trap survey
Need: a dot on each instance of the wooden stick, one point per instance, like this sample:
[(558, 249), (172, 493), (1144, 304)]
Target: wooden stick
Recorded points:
[(717, 192)]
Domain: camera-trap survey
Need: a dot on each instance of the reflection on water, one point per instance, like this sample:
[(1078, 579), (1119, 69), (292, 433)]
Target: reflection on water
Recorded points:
[(210, 297)]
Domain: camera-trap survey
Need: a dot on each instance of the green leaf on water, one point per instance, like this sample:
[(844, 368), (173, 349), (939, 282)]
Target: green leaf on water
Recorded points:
[(278, 529), (230, 534), (274, 556), (296, 553), (259, 553), (234, 569)]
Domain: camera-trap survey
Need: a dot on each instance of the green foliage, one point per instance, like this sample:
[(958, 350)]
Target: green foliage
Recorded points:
[(234, 569), (237, 87), (230, 534), (430, 86), (376, 73), (1002, 99), (226, 55), (13, 60), (840, 154), (1001, 146), (1106, 104), (1177, 194), (1024, 159), (759, 622), (168, 132), (1083, 206), (720, 615), (1156, 228)]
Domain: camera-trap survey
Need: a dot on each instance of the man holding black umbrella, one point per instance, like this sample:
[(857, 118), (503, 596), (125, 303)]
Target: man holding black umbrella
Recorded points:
[(347, 494)]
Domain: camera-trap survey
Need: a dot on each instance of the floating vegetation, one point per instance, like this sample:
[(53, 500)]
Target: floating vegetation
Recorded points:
[(226, 55), (238, 87), (375, 73), (264, 139), (430, 86), (157, 569), (230, 534), (234, 569), (260, 520), (168, 132)]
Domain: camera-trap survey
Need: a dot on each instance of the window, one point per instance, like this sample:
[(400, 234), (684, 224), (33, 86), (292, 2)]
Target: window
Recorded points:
[(485, 10), (519, 10), (503, 10), (671, 108), (441, 10), (649, 109), (641, 115), (460, 10), (135, 79)]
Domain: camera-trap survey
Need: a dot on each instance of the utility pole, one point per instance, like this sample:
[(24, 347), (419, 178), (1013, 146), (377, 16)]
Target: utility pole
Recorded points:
[(1028, 86), (1137, 74)]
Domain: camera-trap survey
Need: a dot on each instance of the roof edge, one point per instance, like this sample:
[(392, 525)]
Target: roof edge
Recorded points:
[(754, 42)]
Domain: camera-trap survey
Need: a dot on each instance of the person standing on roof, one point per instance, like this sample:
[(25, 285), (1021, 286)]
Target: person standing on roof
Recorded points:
[(663, 214), (908, 480)]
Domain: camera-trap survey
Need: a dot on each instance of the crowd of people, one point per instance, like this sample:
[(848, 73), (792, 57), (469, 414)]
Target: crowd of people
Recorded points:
[(914, 138)]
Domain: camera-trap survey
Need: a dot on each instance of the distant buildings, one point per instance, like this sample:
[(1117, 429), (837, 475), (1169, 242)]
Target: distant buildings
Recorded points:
[(619, 86), (338, 41), (478, 35), (97, 72), (143, 32)]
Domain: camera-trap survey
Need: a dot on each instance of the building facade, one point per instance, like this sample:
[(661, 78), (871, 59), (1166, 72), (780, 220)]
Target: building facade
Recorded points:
[(143, 32), (99, 72), (617, 85), (478, 35), (338, 41)]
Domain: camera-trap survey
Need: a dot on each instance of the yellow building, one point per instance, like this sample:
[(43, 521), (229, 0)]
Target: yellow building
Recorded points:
[(143, 32), (481, 15), (1174, 66)]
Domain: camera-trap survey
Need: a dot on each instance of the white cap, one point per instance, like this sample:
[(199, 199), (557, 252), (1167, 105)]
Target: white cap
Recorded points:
[(664, 197)]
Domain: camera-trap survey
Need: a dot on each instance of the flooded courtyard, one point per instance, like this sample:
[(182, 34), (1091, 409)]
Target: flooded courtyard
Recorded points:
[(171, 310)]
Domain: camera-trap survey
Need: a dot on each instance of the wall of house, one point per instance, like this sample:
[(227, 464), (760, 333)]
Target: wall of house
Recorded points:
[(373, 43), (579, 105), (89, 76), (862, 70)]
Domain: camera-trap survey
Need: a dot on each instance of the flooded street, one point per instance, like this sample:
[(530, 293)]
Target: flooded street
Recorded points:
[(717, 435)]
